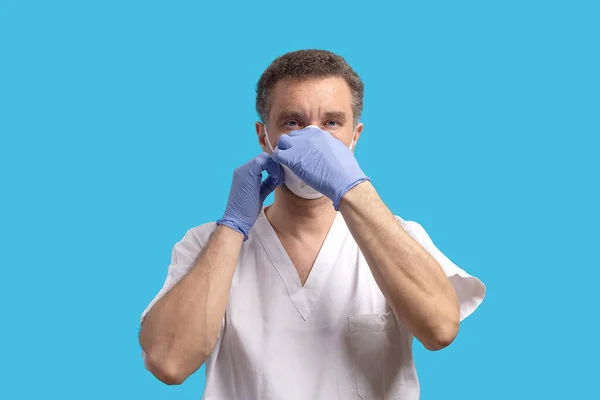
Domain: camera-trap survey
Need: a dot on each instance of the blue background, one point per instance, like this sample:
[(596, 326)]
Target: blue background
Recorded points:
[(121, 123)]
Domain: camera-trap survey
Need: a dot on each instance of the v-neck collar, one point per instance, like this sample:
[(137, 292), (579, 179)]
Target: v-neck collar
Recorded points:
[(304, 297)]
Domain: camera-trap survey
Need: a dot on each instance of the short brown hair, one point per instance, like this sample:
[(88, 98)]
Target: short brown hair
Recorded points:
[(308, 64)]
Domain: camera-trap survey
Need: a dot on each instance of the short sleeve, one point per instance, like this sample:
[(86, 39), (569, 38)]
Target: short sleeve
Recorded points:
[(183, 256), (469, 289)]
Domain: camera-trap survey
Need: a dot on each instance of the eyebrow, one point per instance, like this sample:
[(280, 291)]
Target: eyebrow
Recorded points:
[(289, 114), (292, 114), (339, 115)]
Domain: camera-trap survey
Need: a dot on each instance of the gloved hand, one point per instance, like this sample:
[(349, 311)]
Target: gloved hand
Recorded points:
[(320, 160), (248, 193)]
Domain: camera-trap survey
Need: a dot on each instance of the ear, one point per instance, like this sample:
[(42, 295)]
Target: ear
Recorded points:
[(260, 132), (358, 132)]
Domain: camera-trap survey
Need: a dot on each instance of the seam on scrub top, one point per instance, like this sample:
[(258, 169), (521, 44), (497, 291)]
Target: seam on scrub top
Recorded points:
[(287, 289)]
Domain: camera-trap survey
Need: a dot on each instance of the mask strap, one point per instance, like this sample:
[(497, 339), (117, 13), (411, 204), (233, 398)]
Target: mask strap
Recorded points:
[(352, 143), (267, 137)]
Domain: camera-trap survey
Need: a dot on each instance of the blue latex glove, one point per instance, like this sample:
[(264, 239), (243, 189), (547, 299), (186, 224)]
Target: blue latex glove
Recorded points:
[(248, 192), (320, 160)]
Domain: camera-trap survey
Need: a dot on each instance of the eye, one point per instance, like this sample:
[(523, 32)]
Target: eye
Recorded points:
[(332, 126), (291, 124)]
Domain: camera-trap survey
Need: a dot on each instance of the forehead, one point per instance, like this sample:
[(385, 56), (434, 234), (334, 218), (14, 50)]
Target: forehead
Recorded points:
[(310, 95)]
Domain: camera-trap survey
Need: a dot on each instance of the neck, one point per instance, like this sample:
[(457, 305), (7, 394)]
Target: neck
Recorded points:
[(291, 215)]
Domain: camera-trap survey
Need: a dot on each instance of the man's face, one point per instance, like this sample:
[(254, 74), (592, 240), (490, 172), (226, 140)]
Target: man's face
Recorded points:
[(295, 104)]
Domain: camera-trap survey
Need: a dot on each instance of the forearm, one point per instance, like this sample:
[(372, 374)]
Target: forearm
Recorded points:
[(181, 329), (414, 284)]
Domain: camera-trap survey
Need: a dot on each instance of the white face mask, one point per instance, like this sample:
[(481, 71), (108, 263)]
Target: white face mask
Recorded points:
[(293, 182)]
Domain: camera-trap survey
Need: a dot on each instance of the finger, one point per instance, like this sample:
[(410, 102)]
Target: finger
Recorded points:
[(309, 129), (284, 142), (296, 133), (267, 187), (275, 171), (259, 164), (281, 156)]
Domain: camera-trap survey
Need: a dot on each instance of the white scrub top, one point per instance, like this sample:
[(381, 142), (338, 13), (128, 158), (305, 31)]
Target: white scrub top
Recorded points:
[(333, 338)]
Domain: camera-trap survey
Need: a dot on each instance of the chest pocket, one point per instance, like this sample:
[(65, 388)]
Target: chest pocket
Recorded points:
[(379, 352)]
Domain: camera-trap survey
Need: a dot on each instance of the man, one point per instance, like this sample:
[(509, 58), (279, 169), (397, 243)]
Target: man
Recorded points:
[(319, 295)]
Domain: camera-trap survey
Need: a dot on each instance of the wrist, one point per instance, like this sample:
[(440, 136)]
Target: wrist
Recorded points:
[(353, 190), (232, 227), (357, 195)]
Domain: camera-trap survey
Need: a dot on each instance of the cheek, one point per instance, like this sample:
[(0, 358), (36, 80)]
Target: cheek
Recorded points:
[(265, 143), (345, 136), (262, 142)]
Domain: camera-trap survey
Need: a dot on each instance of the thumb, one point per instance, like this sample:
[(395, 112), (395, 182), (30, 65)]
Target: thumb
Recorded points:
[(284, 142), (274, 170), (267, 187), (281, 157)]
